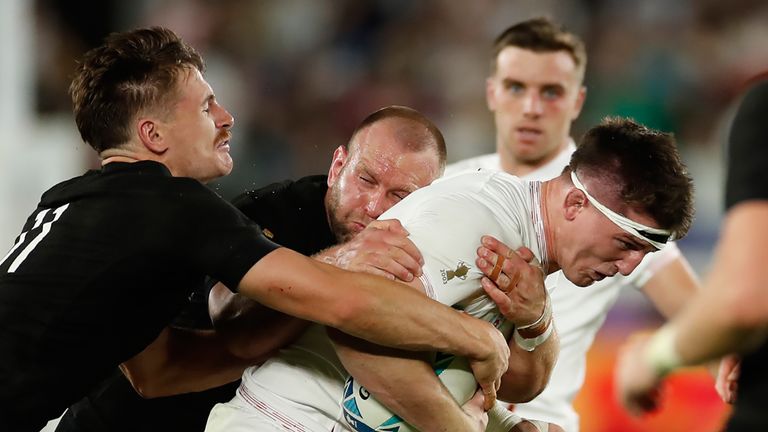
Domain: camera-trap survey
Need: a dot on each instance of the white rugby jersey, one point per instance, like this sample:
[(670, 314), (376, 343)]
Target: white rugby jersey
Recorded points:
[(578, 312), (445, 220)]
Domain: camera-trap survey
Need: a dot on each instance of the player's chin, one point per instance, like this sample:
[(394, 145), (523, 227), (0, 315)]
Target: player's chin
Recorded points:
[(225, 164), (583, 280)]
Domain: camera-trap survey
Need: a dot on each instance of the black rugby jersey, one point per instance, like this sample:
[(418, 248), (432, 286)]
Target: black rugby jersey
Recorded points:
[(101, 267), (291, 213), (747, 181)]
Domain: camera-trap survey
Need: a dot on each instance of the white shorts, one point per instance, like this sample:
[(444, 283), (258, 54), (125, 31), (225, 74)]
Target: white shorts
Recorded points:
[(248, 412)]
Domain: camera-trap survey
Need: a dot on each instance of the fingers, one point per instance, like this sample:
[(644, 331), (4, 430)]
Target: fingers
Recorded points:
[(392, 225), (525, 253), (489, 394), (384, 245), (497, 268), (497, 295)]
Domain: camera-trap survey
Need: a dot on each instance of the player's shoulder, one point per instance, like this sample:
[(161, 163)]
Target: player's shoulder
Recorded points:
[(285, 198), (488, 161)]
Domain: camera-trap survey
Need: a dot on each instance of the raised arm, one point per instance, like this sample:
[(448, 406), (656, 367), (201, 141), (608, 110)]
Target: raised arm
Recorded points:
[(373, 308)]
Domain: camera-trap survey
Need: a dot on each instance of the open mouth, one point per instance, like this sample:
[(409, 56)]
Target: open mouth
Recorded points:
[(223, 144)]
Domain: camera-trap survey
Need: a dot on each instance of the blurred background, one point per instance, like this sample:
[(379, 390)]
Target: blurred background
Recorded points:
[(298, 75)]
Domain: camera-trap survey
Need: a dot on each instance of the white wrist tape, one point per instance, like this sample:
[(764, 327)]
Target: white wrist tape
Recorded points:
[(531, 344), (542, 328), (661, 354), (500, 419)]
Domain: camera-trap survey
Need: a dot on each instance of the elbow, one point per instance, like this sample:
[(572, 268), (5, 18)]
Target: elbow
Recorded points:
[(524, 386), (522, 391), (144, 387)]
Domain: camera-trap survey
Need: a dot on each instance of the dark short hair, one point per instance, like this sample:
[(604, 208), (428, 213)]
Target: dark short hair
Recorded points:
[(437, 142), (541, 35), (643, 166), (130, 73)]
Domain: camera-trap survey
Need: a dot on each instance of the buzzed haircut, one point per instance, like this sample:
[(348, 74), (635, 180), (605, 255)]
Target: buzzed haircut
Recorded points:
[(643, 166), (397, 111), (541, 35), (131, 73)]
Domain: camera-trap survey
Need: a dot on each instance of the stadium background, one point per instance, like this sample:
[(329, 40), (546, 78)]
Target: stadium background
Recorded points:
[(299, 74)]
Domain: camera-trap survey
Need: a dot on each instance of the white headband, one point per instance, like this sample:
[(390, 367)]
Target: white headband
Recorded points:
[(655, 236)]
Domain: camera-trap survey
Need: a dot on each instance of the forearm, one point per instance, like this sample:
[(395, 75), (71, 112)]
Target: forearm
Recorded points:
[(370, 307), (529, 372), (404, 382), (182, 361), (252, 331), (725, 333), (731, 309)]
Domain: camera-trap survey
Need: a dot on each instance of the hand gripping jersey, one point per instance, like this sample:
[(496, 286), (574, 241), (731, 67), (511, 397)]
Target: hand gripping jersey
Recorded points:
[(301, 388)]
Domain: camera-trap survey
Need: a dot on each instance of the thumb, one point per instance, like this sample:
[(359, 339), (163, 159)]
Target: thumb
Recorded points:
[(489, 393)]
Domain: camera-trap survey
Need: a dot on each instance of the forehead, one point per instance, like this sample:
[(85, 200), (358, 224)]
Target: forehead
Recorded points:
[(536, 67), (384, 149), (611, 229), (192, 87)]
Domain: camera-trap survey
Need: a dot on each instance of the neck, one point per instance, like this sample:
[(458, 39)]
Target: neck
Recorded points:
[(549, 228), (121, 154)]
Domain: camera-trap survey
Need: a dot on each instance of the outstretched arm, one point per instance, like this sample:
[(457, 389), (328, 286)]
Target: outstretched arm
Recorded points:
[(371, 307), (187, 360), (405, 383), (182, 361), (734, 319)]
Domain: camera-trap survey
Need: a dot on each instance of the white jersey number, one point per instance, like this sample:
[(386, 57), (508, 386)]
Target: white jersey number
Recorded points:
[(35, 240)]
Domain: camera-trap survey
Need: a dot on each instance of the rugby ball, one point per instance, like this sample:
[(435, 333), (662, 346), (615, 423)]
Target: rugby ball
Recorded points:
[(363, 413)]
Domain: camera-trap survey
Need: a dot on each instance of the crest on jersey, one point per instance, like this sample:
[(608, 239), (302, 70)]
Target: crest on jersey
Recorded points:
[(461, 271), (267, 233)]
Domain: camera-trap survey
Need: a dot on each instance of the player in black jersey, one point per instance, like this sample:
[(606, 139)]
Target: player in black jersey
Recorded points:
[(107, 259), (731, 313)]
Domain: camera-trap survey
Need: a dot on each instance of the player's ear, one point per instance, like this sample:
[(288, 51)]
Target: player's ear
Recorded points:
[(150, 135), (579, 103), (574, 203), (337, 163)]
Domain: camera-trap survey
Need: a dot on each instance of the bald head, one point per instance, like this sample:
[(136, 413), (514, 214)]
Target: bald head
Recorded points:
[(410, 129)]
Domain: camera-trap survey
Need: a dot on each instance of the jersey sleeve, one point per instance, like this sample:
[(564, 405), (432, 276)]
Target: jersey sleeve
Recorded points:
[(227, 244), (747, 149), (447, 233)]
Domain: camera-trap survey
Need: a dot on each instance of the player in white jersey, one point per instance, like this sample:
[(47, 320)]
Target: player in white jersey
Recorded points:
[(579, 313), (535, 91), (559, 220)]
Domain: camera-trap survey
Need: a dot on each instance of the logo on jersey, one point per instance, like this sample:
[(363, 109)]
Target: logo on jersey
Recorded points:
[(462, 269), (267, 233)]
